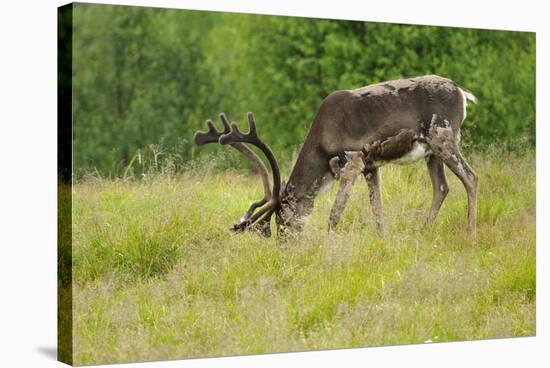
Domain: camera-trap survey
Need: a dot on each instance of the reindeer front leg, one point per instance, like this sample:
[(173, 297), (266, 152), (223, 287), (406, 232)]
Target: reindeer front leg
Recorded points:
[(372, 177), (346, 166)]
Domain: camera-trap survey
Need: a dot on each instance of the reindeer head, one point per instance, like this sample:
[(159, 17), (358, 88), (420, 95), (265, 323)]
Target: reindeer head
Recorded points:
[(258, 215)]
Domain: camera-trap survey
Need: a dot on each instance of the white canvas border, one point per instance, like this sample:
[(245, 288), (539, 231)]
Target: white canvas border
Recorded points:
[(28, 181)]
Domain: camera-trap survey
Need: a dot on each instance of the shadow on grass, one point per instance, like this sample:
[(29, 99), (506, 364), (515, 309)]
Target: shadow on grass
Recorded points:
[(48, 351)]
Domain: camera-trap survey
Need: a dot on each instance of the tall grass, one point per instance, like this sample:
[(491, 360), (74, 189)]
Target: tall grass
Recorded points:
[(158, 274)]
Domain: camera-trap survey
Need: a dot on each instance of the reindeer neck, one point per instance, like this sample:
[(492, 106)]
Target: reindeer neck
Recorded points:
[(309, 174)]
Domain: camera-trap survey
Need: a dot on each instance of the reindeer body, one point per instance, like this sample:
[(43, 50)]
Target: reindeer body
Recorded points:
[(398, 121), (351, 119)]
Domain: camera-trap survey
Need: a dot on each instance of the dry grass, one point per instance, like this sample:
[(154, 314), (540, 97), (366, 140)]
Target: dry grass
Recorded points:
[(157, 274)]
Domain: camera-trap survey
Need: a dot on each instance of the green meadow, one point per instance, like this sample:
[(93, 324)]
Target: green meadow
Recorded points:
[(158, 275)]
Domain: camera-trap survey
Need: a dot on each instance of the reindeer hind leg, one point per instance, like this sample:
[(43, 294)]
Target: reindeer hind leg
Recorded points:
[(440, 187), (444, 145)]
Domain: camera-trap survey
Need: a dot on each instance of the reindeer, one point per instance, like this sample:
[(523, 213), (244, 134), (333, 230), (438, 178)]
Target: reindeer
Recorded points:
[(356, 132)]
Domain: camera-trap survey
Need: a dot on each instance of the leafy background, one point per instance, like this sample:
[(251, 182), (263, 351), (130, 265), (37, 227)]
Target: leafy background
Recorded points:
[(145, 79)]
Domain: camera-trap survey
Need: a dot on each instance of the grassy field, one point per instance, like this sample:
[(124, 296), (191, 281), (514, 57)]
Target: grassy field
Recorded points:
[(158, 275)]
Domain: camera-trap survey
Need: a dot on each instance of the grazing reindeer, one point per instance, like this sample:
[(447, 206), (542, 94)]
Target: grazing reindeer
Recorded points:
[(355, 132)]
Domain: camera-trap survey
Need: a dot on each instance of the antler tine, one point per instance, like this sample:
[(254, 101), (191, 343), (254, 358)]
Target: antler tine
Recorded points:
[(251, 124), (236, 135), (210, 136), (225, 122), (265, 210)]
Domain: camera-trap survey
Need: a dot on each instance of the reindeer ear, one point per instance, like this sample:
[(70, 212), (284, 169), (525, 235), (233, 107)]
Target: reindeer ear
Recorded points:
[(286, 189), (334, 164), (342, 155)]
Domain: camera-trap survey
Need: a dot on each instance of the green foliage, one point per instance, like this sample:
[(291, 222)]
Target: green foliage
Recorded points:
[(147, 76), (158, 275)]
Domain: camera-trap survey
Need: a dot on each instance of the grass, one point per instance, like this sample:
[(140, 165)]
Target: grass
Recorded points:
[(158, 275)]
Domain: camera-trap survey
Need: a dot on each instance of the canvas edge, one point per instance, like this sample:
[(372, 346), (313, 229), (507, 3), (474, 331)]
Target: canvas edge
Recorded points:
[(64, 184)]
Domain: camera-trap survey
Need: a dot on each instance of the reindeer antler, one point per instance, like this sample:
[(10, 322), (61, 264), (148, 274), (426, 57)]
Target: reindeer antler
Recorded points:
[(234, 137)]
